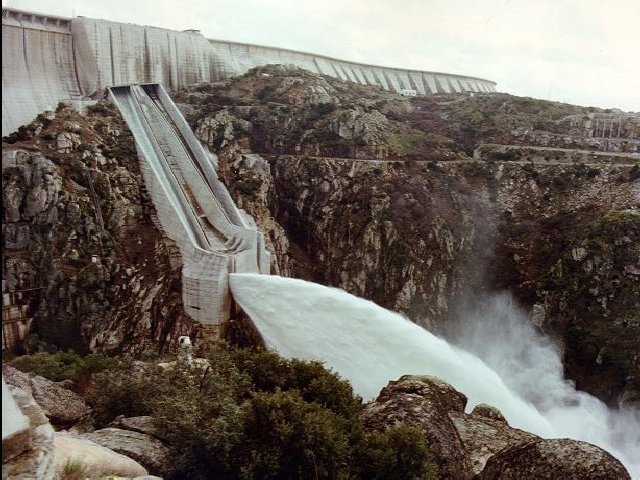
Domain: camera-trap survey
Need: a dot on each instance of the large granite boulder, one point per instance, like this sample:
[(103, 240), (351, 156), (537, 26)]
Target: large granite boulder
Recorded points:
[(557, 458), (141, 424), (94, 459), (484, 436), (31, 456), (425, 402), (482, 445), (60, 405), (150, 452)]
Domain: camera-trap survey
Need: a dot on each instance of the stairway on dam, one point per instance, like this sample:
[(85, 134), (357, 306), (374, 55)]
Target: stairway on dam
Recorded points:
[(194, 209)]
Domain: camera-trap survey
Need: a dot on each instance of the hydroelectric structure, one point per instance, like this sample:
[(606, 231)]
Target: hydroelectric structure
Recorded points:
[(194, 209), (48, 59)]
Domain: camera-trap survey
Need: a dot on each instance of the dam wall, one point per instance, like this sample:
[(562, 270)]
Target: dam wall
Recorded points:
[(111, 54), (38, 67), (237, 58), (48, 59)]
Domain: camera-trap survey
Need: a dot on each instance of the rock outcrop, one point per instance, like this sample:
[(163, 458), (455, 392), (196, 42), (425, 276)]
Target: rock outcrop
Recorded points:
[(425, 402), (60, 405), (558, 458), (143, 424), (94, 460), (150, 452), (79, 240), (484, 436), (481, 444), (35, 458)]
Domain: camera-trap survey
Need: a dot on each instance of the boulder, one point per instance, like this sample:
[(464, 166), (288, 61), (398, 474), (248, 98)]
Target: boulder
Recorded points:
[(60, 405), (31, 456), (94, 459), (145, 449), (484, 436), (487, 411), (557, 458), (142, 424), (424, 403)]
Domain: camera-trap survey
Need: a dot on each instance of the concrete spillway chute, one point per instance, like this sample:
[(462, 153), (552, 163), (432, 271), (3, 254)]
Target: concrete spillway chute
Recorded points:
[(194, 208)]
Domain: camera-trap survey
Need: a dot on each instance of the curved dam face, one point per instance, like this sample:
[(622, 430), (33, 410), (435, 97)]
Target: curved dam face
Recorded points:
[(38, 67), (48, 59)]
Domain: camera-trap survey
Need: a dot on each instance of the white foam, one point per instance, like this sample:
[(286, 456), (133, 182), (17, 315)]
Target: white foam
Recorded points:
[(370, 346)]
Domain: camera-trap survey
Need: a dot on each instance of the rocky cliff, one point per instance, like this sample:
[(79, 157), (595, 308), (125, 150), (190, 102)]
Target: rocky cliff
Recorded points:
[(353, 187), (78, 238), (379, 195)]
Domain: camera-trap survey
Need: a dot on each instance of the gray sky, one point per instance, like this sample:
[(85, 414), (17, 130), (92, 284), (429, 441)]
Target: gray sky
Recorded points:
[(585, 52)]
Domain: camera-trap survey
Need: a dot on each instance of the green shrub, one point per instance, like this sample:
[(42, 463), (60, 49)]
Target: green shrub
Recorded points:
[(255, 415), (69, 365), (269, 371), (398, 453), (200, 414), (289, 438)]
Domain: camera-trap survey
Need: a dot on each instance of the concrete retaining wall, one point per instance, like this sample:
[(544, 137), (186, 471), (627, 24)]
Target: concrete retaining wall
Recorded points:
[(237, 58)]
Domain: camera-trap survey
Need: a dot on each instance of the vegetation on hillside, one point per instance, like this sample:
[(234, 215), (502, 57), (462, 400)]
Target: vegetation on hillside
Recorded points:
[(284, 110), (247, 414)]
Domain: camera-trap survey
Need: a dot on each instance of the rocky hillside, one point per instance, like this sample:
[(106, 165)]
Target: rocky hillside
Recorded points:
[(79, 244), (353, 187), (281, 110), (377, 194)]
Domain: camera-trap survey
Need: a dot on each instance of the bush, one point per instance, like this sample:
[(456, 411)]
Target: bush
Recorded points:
[(268, 372), (287, 438), (255, 415), (396, 454), (69, 365)]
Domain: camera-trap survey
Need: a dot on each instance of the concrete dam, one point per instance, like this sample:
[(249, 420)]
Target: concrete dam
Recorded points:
[(48, 59)]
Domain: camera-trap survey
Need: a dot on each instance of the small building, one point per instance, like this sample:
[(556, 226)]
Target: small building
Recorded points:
[(407, 92)]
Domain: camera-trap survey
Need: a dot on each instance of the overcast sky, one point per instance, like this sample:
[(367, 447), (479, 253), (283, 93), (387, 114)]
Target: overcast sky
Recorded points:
[(585, 52)]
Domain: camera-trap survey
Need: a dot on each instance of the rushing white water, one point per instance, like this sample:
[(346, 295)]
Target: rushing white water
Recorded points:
[(500, 333), (370, 346)]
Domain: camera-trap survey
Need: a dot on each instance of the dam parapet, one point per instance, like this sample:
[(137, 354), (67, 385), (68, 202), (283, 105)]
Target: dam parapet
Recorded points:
[(38, 66)]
